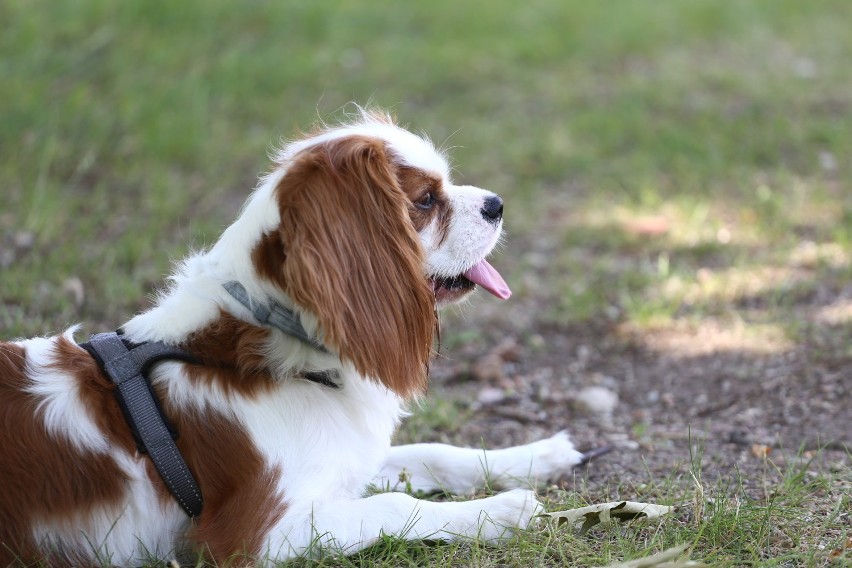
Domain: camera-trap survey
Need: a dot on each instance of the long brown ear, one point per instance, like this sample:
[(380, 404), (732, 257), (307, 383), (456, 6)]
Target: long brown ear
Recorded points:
[(353, 259)]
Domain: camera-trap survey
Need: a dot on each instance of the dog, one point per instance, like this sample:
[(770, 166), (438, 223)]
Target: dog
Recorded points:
[(361, 234)]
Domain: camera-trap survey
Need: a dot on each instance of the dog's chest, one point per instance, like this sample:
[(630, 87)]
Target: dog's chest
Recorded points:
[(324, 441)]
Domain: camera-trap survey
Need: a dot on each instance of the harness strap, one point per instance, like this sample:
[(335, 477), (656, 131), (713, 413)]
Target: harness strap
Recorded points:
[(285, 320), (128, 365), (273, 314)]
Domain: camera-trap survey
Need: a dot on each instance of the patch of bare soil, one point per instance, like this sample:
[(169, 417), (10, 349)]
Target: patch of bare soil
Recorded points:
[(740, 404)]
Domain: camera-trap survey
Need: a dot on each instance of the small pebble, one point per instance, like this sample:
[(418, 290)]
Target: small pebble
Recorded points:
[(490, 395), (24, 240), (596, 400)]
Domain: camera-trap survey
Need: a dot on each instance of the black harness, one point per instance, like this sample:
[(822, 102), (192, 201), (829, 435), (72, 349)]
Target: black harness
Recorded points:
[(128, 366)]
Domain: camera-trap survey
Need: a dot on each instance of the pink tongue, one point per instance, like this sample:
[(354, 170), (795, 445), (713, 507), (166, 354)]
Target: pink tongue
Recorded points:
[(486, 276)]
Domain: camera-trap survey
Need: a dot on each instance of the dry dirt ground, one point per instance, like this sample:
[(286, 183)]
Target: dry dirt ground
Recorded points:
[(743, 408)]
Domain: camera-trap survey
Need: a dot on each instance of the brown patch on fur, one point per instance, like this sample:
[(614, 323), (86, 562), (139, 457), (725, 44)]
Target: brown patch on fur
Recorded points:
[(231, 354), (44, 476), (241, 504), (354, 260), (268, 256), (240, 491), (96, 390), (444, 215), (416, 183)]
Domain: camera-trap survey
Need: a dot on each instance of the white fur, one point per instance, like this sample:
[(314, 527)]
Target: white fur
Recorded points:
[(60, 403), (329, 444), (439, 467), (470, 237), (136, 531)]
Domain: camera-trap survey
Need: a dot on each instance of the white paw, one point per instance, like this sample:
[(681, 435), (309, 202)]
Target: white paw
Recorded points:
[(539, 462), (554, 456), (504, 513)]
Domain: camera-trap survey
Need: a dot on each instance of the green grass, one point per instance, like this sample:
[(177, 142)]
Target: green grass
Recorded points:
[(732, 529), (130, 132), (143, 125)]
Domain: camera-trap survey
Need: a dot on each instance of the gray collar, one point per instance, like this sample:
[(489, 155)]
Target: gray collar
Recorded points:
[(273, 314)]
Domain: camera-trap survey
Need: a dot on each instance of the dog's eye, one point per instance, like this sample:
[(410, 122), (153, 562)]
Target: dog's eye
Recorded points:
[(425, 202)]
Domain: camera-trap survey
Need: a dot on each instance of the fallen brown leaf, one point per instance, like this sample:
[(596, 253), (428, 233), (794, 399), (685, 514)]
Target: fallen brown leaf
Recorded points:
[(841, 551), (760, 451)]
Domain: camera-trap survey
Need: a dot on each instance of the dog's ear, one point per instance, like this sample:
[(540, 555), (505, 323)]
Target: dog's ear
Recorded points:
[(353, 259)]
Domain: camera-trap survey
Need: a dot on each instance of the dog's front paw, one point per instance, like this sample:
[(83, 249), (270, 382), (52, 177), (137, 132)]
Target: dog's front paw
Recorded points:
[(554, 457), (507, 512), (539, 462)]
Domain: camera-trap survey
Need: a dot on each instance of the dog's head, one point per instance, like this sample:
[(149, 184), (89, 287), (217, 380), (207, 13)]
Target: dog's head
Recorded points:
[(373, 235)]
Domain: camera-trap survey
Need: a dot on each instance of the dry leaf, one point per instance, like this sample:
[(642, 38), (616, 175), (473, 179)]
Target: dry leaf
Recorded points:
[(666, 559), (760, 451), (489, 367), (607, 513), (841, 552)]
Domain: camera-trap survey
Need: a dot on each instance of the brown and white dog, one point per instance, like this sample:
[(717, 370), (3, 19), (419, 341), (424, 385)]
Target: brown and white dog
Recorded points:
[(360, 230)]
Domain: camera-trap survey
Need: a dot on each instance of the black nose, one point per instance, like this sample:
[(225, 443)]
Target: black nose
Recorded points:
[(492, 209)]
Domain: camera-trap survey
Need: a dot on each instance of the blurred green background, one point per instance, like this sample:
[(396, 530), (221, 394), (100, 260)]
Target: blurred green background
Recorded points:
[(665, 165), (635, 142)]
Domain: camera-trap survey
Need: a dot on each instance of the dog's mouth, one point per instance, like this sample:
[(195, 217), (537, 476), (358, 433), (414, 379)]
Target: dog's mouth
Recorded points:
[(482, 273)]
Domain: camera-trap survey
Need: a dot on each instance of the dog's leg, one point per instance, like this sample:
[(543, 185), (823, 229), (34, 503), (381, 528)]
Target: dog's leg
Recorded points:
[(439, 467), (350, 525)]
